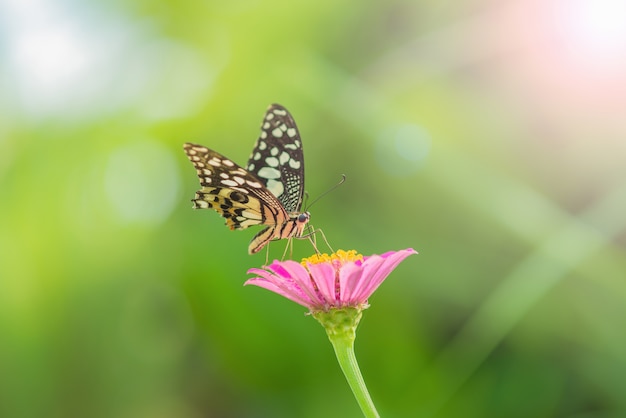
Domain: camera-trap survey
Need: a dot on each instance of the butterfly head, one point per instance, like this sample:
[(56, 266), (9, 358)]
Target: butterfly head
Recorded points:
[(303, 218), (300, 220)]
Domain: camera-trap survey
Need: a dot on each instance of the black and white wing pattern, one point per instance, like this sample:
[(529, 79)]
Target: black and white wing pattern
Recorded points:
[(268, 193), (277, 159)]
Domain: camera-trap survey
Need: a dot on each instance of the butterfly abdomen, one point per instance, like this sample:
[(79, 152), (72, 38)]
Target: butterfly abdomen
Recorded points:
[(293, 228)]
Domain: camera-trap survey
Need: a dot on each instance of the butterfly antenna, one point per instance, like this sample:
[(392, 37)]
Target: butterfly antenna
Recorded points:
[(342, 181)]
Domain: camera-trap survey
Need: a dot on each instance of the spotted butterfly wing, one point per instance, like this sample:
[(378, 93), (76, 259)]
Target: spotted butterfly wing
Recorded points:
[(277, 159), (268, 193)]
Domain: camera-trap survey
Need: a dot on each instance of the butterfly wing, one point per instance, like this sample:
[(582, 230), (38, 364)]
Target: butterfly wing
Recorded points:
[(232, 191), (277, 159)]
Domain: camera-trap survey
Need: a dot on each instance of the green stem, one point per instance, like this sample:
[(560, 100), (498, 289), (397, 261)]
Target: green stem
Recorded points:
[(340, 325)]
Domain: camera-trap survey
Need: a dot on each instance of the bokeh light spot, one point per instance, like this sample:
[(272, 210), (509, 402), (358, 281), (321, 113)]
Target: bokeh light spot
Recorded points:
[(402, 149), (142, 182)]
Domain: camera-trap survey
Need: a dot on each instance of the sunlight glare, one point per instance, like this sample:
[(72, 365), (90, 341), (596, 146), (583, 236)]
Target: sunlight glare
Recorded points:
[(594, 31), (64, 64)]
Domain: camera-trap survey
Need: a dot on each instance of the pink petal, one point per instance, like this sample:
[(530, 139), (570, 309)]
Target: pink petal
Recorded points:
[(302, 278), (324, 276), (358, 293), (375, 270), (282, 286), (300, 299), (370, 267), (277, 268), (349, 279), (390, 262)]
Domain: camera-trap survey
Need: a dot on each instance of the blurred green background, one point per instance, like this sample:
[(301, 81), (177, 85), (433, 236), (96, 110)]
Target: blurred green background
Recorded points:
[(488, 135)]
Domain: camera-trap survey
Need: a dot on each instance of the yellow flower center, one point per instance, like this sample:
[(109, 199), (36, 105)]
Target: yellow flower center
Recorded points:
[(340, 256)]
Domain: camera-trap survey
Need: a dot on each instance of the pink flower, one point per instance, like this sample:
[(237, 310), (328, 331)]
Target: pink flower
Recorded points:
[(323, 282)]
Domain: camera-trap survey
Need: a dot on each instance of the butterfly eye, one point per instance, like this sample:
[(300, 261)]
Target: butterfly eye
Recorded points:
[(303, 217)]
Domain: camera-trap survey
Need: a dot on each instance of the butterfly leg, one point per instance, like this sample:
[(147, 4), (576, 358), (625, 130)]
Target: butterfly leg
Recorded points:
[(289, 247), (312, 237), (313, 242), (267, 254), (324, 238)]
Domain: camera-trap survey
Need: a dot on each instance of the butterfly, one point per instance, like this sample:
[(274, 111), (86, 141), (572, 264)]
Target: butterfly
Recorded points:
[(268, 191)]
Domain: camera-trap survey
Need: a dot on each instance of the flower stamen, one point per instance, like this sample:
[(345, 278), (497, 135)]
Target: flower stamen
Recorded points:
[(339, 256)]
